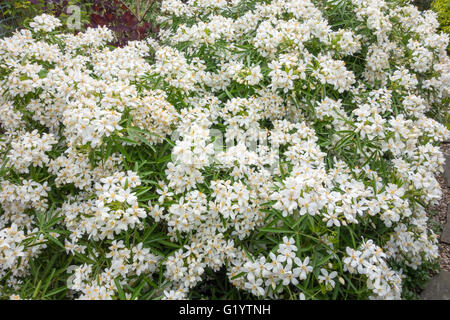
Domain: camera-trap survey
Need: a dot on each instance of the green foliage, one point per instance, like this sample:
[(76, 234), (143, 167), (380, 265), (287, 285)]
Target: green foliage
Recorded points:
[(361, 196), (416, 279), (14, 12), (20, 12), (442, 7)]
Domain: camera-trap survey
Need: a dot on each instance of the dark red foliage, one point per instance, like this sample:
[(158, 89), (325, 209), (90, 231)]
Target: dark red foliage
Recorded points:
[(116, 16), (110, 13), (55, 7)]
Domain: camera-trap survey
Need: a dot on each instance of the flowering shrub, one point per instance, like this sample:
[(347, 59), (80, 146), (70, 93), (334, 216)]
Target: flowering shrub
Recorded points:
[(260, 149)]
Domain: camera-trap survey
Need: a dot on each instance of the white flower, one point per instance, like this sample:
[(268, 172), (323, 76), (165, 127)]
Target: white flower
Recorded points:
[(327, 278)]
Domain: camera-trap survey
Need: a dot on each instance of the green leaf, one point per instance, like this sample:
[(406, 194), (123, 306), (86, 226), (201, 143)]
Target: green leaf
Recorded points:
[(119, 289), (138, 289), (277, 230)]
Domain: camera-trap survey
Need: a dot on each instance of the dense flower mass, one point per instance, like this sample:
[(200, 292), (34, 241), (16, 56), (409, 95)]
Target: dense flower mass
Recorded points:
[(280, 149)]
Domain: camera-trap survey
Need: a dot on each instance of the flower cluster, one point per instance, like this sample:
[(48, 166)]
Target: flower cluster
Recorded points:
[(15, 256), (28, 149), (370, 260), (267, 276), (124, 262)]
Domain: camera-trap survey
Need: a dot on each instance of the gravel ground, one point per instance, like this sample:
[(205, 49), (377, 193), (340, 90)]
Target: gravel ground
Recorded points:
[(441, 215)]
